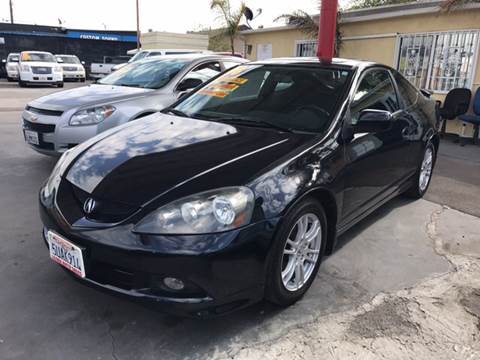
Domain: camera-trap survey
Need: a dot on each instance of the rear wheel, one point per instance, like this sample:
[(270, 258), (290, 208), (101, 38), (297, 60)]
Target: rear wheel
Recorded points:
[(296, 253), (424, 173)]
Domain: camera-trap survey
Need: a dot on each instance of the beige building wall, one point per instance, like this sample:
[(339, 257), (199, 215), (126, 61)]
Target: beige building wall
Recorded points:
[(166, 40), (380, 49)]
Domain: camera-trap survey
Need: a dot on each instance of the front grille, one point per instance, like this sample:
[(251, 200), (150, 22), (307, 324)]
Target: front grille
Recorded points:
[(43, 111), (41, 70), (70, 200), (41, 128)]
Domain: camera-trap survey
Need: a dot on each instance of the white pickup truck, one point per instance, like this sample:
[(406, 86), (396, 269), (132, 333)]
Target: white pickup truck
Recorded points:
[(99, 70)]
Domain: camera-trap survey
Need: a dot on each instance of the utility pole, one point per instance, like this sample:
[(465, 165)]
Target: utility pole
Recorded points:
[(138, 28), (11, 11)]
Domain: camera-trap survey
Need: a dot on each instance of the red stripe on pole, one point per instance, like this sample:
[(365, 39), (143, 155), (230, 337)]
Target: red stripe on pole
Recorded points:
[(327, 30)]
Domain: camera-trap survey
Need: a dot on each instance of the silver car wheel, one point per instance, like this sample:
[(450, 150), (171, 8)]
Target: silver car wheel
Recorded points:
[(301, 252), (426, 169)]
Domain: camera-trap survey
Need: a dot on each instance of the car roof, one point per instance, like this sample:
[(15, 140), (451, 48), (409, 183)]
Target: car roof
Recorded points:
[(193, 51), (10, 54), (193, 57), (315, 60), (36, 52)]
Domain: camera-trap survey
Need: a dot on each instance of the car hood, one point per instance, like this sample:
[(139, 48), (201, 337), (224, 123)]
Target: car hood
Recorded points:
[(160, 153), (87, 95)]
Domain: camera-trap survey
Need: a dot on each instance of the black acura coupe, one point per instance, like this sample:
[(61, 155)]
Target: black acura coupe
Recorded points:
[(237, 191)]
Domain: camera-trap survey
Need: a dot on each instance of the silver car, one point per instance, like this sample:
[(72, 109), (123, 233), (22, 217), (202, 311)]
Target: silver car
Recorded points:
[(54, 123)]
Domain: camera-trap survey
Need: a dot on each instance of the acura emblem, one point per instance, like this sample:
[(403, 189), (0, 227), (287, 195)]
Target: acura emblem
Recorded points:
[(89, 206)]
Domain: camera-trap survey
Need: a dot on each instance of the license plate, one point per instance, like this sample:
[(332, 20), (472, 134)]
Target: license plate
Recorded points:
[(66, 254), (32, 137), (43, 78)]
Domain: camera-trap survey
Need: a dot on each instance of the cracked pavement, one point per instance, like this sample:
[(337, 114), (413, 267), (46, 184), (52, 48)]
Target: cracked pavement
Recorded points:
[(403, 284)]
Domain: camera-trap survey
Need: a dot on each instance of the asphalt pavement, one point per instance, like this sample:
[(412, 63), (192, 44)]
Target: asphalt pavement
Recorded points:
[(46, 315)]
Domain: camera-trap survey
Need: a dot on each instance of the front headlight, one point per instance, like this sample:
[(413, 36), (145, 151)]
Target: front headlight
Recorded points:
[(91, 116), (207, 212), (57, 69), (25, 68)]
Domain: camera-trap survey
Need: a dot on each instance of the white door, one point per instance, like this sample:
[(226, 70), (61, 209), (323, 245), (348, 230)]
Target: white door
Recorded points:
[(264, 51)]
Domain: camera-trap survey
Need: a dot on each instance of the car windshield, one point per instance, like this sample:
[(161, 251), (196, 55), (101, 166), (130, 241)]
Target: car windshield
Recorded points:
[(12, 58), (69, 59), (43, 57), (138, 56), (152, 74), (289, 97)]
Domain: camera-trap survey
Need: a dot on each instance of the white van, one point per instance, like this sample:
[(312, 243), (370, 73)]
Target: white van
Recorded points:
[(11, 66), (39, 67), (142, 54)]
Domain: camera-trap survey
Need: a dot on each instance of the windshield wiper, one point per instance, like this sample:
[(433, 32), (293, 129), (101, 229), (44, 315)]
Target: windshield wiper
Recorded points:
[(175, 112), (248, 122)]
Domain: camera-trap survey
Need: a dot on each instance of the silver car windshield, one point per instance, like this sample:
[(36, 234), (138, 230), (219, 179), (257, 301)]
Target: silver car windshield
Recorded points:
[(43, 57), (146, 74)]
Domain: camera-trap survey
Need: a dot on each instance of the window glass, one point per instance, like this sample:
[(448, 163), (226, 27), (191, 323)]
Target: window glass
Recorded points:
[(33, 56), (438, 62), (298, 98), (68, 59), (407, 91), (205, 71), (230, 64), (152, 74), (12, 58), (375, 92), (306, 48)]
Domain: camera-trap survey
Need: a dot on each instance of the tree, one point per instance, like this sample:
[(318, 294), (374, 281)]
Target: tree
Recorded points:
[(231, 19), (307, 24)]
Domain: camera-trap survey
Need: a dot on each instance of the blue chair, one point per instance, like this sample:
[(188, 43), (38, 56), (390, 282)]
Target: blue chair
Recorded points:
[(475, 117)]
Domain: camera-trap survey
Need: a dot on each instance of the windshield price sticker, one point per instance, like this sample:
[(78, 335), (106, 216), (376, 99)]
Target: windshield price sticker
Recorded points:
[(223, 87)]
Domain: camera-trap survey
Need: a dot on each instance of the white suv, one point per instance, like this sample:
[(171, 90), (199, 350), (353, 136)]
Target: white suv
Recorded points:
[(72, 67), (39, 67), (12, 66)]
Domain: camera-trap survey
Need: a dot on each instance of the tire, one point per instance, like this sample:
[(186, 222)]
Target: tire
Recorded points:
[(420, 184), (9, 79), (82, 80), (22, 83), (60, 84), (276, 290)]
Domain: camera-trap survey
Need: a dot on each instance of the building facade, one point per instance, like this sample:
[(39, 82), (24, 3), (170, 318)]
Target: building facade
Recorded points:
[(434, 49), (89, 45)]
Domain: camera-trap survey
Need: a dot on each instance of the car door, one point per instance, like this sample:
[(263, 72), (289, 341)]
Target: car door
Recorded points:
[(375, 160)]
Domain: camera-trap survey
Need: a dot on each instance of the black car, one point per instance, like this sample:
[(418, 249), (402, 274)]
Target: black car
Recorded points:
[(237, 191)]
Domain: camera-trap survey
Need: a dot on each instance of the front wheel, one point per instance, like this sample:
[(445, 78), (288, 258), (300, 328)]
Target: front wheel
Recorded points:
[(22, 83), (424, 173), (296, 253), (60, 84)]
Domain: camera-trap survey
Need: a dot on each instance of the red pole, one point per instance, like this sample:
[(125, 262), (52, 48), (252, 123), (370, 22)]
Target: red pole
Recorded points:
[(327, 30)]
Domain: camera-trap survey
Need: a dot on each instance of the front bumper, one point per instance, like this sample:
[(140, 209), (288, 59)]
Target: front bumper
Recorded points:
[(12, 74), (53, 77), (71, 75), (224, 272)]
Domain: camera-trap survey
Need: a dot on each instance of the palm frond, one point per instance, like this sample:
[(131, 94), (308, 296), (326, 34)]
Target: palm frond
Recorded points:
[(302, 21)]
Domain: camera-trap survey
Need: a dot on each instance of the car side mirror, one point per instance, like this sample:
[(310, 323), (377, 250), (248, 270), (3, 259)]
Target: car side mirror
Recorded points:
[(189, 84), (426, 93), (4, 61), (82, 62), (371, 120)]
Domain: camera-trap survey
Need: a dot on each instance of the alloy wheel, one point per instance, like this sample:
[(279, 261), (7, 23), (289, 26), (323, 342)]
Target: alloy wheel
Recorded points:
[(301, 252), (426, 169)]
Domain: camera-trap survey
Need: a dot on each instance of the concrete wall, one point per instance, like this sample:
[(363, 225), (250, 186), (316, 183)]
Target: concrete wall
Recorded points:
[(166, 40), (381, 49)]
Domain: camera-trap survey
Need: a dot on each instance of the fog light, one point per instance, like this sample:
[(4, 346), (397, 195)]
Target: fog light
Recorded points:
[(173, 283)]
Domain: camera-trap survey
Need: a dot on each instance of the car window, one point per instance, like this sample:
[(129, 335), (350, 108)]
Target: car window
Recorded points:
[(43, 57), (301, 98), (69, 59), (230, 64), (407, 91), (205, 71), (12, 58), (150, 74), (376, 92), (155, 53)]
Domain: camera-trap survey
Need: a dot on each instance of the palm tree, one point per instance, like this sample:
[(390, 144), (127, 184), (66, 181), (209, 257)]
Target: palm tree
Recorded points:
[(231, 19), (307, 24)]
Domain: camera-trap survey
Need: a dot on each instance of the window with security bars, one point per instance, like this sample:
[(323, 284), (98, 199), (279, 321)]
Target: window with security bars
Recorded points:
[(306, 48), (438, 61)]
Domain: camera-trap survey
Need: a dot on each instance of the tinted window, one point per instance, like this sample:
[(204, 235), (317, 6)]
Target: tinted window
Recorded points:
[(152, 74), (12, 58), (407, 91), (302, 98), (375, 91)]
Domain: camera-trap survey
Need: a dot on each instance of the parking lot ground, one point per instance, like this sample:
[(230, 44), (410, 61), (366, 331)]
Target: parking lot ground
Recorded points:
[(404, 283)]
